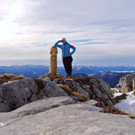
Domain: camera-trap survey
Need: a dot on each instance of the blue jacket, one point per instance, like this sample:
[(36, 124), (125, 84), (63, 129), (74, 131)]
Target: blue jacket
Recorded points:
[(65, 49)]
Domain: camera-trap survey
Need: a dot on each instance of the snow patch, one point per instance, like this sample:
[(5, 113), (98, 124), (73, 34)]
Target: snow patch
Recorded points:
[(123, 71), (78, 68), (117, 94), (1, 124), (127, 105)]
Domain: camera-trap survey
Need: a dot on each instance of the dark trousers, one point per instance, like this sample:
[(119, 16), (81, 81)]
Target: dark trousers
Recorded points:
[(67, 61)]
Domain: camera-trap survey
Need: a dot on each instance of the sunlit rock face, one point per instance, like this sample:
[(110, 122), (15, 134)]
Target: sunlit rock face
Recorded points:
[(17, 93), (126, 83)]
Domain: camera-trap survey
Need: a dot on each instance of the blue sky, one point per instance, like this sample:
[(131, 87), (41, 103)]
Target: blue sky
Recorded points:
[(102, 31)]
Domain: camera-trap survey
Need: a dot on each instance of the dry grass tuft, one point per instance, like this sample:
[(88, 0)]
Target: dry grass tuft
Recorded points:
[(52, 77), (100, 104), (119, 98), (113, 110), (83, 80), (110, 109), (71, 92), (10, 77)]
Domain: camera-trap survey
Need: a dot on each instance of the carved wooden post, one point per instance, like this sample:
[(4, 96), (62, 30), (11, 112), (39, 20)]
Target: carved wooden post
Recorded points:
[(133, 85), (53, 60)]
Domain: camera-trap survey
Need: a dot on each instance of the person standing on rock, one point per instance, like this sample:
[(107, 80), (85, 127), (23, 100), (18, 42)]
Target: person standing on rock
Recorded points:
[(66, 55)]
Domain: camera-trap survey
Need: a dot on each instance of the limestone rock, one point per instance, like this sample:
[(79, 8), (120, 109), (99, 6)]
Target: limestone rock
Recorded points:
[(17, 93), (61, 119), (126, 83), (92, 87), (14, 94), (38, 107)]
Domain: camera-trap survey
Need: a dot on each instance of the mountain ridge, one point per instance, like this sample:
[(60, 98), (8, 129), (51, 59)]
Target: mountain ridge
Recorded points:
[(34, 71)]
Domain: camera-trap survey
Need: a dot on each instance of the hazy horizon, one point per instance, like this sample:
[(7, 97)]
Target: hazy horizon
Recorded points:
[(72, 65)]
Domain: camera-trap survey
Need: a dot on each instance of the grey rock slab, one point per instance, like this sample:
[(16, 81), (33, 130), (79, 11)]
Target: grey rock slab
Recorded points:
[(75, 119), (39, 106), (17, 93), (45, 104)]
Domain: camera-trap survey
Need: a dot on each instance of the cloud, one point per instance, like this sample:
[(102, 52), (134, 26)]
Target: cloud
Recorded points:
[(99, 30)]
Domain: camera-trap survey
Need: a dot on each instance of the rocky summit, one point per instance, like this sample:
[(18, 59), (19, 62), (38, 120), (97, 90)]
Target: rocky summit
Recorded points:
[(60, 106), (14, 94)]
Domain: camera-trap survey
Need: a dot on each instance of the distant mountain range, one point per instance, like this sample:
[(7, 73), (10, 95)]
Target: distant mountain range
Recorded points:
[(111, 77), (80, 75), (110, 74), (32, 71)]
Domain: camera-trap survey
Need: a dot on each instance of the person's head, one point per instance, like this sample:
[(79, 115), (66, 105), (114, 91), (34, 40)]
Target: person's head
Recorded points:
[(63, 40)]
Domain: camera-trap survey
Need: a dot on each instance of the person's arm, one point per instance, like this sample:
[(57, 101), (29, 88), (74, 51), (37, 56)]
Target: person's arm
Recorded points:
[(74, 49), (56, 44)]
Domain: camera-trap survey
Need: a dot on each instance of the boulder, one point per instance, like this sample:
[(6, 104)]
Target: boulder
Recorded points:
[(126, 83), (91, 87), (17, 93)]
